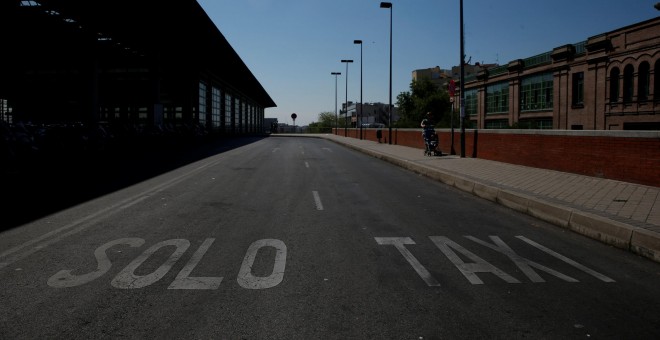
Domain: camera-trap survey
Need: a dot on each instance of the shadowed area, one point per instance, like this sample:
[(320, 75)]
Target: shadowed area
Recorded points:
[(42, 182)]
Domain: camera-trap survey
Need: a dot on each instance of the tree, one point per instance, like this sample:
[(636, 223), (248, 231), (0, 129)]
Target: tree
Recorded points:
[(423, 97), (327, 120)]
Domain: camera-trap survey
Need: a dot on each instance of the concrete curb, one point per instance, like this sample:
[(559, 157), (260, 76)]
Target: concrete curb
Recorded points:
[(637, 240), (645, 243), (603, 229), (549, 212)]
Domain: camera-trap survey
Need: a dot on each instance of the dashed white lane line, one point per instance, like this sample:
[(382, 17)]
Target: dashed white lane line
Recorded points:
[(317, 200), (307, 165)]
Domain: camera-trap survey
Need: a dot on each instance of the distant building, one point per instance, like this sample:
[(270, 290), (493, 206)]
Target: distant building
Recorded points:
[(286, 128), (441, 77), (375, 114), (270, 125), (436, 75)]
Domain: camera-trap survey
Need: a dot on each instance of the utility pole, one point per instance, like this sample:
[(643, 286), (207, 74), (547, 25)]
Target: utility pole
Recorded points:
[(462, 97)]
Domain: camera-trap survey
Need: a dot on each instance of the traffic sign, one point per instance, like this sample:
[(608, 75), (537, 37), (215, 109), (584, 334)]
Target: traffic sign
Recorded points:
[(452, 88)]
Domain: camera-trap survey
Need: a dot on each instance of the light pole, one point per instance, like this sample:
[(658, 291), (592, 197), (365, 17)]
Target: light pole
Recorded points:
[(336, 118), (452, 92), (346, 113), (360, 115), (462, 85), (389, 5)]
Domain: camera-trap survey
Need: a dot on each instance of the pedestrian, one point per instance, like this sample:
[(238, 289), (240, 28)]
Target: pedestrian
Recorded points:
[(428, 120)]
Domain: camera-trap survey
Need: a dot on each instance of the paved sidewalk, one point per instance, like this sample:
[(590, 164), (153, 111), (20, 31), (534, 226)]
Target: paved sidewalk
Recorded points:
[(625, 215)]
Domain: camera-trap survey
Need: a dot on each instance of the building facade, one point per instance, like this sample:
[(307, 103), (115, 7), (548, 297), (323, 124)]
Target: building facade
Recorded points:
[(607, 82), (441, 77), (436, 75), (374, 114)]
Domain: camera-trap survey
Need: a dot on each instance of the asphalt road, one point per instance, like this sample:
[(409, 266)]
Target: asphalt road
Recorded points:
[(300, 238)]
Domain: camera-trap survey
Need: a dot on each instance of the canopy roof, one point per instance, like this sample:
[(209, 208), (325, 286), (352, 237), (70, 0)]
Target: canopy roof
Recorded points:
[(176, 35)]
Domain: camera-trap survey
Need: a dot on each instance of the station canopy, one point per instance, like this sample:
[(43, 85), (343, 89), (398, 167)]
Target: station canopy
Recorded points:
[(175, 38)]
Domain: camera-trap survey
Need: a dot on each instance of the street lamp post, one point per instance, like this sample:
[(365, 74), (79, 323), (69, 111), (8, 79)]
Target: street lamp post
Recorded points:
[(462, 86), (336, 118), (359, 42), (452, 92), (389, 5), (346, 113)]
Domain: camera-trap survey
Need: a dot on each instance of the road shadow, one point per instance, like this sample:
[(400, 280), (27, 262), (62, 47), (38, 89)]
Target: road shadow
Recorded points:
[(47, 185)]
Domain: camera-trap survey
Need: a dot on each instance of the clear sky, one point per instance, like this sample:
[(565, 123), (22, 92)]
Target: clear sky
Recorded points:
[(292, 46)]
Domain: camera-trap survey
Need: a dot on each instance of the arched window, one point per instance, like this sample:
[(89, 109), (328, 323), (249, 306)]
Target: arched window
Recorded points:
[(643, 84), (656, 81), (628, 85), (614, 85)]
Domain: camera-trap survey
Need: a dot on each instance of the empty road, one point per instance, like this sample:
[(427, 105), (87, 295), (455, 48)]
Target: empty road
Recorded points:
[(300, 238)]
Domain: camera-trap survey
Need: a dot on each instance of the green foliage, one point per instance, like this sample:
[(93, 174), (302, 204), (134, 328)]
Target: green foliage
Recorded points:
[(423, 97), (327, 120), (316, 129)]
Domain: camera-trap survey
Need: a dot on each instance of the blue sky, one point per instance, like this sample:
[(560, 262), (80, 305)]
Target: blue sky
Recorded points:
[(292, 46)]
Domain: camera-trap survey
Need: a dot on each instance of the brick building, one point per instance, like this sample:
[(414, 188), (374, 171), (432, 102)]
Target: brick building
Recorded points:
[(607, 82)]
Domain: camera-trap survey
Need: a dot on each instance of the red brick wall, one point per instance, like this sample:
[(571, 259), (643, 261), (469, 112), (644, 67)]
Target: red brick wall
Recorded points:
[(620, 155)]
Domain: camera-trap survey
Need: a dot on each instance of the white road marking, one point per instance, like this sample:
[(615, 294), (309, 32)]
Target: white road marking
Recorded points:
[(245, 277), (567, 260), (327, 149), (307, 165), (64, 278), (479, 265), (183, 279), (80, 225), (20, 252), (469, 270), (126, 279), (317, 200), (400, 244), (524, 264), (276, 150)]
